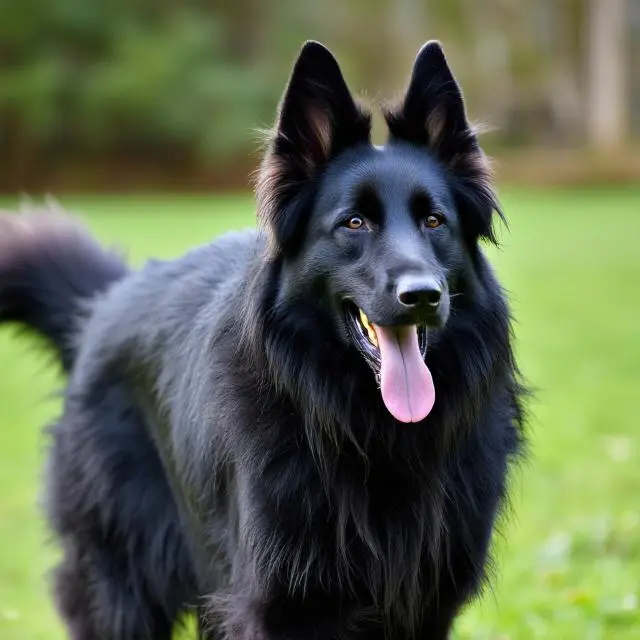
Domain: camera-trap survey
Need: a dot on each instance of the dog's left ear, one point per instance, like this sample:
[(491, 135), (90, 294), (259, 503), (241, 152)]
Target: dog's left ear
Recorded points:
[(432, 115), (318, 118)]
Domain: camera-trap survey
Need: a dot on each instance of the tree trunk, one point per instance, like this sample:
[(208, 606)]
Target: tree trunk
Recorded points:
[(607, 74)]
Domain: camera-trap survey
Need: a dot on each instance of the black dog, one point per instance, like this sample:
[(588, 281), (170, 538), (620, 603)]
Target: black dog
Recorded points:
[(301, 432)]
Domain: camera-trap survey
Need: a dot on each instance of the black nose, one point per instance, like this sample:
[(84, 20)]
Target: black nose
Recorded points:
[(419, 291)]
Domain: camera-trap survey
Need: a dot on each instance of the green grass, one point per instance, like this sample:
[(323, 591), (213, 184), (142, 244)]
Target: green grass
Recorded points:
[(568, 560)]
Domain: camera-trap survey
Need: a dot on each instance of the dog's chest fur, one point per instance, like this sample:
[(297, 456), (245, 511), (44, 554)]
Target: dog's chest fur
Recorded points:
[(365, 528)]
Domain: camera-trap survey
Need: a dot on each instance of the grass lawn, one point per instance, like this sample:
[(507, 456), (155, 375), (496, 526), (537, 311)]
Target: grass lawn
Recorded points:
[(568, 562)]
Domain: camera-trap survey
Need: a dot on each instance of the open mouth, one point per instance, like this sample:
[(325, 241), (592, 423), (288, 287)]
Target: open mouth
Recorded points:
[(396, 356), (366, 337)]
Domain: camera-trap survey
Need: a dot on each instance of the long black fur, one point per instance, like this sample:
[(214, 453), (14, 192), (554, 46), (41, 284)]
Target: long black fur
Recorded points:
[(223, 445)]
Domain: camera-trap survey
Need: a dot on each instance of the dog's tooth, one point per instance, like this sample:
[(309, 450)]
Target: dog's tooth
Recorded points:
[(371, 332), (373, 338)]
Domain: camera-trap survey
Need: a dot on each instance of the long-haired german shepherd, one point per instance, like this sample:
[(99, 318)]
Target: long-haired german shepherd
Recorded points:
[(302, 431)]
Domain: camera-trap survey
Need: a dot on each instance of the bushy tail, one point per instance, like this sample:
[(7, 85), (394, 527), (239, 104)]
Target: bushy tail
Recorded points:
[(49, 267)]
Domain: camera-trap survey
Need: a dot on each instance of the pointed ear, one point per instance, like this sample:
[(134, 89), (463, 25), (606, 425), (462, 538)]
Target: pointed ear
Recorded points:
[(432, 115), (318, 118)]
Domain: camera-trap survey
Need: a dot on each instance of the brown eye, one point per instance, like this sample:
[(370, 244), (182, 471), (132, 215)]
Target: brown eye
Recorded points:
[(433, 221), (355, 222)]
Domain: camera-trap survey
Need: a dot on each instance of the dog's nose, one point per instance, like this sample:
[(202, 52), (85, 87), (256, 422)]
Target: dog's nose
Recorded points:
[(419, 291)]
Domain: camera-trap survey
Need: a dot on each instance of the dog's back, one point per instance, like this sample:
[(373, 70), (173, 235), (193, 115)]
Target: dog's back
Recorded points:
[(51, 268)]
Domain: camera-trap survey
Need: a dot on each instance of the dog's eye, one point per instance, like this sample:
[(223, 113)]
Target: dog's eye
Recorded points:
[(433, 221), (355, 222)]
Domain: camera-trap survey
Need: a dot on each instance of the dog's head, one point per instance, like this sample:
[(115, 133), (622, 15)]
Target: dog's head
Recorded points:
[(383, 236)]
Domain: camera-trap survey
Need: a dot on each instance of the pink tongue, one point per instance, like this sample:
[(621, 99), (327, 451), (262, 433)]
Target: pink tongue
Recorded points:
[(406, 383)]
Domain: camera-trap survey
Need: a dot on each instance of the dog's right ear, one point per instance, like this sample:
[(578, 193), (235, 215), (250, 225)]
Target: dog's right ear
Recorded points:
[(318, 118)]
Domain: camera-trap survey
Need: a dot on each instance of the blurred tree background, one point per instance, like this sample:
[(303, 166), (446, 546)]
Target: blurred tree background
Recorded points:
[(150, 93)]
